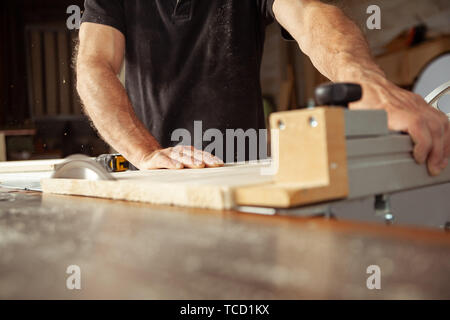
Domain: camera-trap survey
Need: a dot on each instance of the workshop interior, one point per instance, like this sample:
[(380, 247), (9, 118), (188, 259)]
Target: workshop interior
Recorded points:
[(339, 204)]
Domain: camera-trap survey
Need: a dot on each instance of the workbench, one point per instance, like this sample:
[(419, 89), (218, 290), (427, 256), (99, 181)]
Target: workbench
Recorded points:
[(12, 133), (137, 250)]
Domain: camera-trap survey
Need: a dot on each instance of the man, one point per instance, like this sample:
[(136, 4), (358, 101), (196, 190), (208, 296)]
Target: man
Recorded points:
[(189, 60)]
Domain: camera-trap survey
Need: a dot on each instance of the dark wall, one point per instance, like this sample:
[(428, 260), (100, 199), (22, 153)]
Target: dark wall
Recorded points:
[(13, 98), (14, 16)]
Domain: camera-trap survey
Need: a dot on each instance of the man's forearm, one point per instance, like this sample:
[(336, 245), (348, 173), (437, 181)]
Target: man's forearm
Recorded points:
[(339, 51), (335, 45), (107, 104)]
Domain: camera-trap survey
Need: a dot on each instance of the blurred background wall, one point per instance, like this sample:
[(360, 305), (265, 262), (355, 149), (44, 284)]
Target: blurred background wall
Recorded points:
[(40, 112), (397, 16)]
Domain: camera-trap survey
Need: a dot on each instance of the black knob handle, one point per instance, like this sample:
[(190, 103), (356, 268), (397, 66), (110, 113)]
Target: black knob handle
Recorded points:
[(338, 94)]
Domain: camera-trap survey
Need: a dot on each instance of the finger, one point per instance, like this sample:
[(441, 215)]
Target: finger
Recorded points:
[(181, 148), (205, 157), (421, 136), (442, 118), (195, 156), (187, 160), (210, 160), (446, 139), (447, 145), (161, 161), (190, 162), (444, 163), (436, 156), (440, 129)]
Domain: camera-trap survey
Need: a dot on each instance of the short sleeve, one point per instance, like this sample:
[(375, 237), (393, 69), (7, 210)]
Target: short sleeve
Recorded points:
[(106, 12), (266, 9)]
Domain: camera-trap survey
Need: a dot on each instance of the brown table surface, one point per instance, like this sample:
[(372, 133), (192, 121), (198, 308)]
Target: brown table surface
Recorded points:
[(19, 132), (133, 250)]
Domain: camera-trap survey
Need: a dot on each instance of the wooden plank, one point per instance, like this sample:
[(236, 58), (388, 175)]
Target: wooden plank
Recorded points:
[(29, 166), (402, 67), (64, 73), (37, 74), (204, 188), (287, 98), (312, 162), (2, 147), (19, 132), (312, 168), (51, 82)]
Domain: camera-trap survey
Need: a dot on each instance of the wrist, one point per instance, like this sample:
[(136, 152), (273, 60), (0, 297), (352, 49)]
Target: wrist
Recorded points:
[(138, 156), (349, 69), (148, 154)]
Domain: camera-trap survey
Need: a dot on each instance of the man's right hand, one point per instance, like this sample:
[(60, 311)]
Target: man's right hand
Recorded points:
[(179, 157)]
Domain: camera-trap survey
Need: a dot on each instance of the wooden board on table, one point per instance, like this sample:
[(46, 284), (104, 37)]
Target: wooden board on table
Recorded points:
[(212, 188), (312, 168), (29, 166), (205, 188), (2, 147), (312, 162)]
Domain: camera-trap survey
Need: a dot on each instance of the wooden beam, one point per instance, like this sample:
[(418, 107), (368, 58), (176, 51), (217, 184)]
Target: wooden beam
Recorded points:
[(29, 165), (312, 163), (312, 167), (2, 147)]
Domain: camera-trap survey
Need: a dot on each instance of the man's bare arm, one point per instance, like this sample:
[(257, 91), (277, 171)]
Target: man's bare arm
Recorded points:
[(100, 57), (339, 51)]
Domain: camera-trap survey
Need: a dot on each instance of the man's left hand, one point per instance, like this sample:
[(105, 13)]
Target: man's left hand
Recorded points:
[(408, 112)]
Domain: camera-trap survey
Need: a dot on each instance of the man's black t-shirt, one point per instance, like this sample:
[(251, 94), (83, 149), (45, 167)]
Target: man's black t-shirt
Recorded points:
[(190, 60)]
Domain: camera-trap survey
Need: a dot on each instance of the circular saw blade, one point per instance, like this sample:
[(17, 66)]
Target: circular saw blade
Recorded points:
[(81, 167)]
